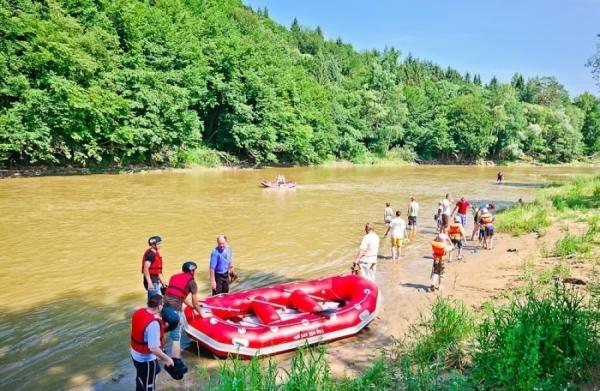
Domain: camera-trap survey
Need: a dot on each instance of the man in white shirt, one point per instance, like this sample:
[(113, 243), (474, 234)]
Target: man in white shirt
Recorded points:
[(446, 202), (398, 228), (366, 257)]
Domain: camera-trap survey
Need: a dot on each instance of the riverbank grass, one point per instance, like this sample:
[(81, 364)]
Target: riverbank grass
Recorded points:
[(578, 199)]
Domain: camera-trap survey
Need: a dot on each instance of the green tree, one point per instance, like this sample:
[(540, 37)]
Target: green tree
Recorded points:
[(590, 130)]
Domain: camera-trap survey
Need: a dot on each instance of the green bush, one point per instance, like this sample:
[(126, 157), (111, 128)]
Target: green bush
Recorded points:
[(441, 338), (523, 218), (541, 342)]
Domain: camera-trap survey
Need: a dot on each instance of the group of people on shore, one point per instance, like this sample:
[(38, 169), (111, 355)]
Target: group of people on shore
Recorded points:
[(450, 236), (164, 309)]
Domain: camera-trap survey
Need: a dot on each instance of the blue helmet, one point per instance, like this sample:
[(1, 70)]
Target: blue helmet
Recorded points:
[(170, 317)]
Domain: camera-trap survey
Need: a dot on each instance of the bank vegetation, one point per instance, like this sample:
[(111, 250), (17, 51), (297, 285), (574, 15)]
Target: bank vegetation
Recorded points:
[(113, 83)]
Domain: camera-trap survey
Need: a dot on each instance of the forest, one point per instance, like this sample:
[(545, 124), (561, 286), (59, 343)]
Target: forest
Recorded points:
[(108, 83)]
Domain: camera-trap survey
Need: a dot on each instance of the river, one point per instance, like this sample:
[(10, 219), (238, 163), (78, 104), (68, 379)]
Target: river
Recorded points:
[(73, 246)]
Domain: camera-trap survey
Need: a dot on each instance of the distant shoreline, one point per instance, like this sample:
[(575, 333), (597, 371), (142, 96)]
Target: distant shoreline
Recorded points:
[(44, 171)]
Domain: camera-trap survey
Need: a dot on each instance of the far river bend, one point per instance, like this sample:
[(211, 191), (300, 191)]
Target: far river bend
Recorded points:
[(72, 247)]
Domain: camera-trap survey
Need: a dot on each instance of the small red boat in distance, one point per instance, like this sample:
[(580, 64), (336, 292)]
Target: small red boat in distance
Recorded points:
[(279, 185), (284, 317)]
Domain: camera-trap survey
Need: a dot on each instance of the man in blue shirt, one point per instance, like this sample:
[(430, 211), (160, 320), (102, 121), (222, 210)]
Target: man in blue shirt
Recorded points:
[(221, 264)]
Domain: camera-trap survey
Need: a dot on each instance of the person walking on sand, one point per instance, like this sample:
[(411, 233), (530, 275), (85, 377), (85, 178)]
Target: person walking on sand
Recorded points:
[(463, 207), (413, 212), (388, 213), (366, 258), (221, 265), (486, 225), (456, 233), (440, 247), (147, 334), (398, 228), (476, 217), (152, 265)]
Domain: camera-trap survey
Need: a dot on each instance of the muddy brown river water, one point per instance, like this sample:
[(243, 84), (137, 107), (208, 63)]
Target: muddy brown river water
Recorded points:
[(72, 247)]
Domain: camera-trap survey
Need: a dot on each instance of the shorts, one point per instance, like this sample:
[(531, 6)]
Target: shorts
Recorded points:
[(489, 230), (412, 220), (463, 219), (155, 290), (175, 334), (396, 242), (481, 231), (457, 243), (438, 265)]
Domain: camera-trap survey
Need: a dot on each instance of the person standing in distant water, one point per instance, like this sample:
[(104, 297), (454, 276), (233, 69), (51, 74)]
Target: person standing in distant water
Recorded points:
[(152, 267), (500, 177), (366, 257), (463, 207), (221, 264), (388, 213), (413, 212), (398, 228)]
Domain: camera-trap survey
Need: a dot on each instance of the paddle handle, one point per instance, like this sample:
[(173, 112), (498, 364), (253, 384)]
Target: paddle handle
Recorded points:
[(213, 307)]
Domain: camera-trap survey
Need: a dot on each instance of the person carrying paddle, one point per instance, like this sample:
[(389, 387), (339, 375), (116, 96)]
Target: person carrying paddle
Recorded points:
[(366, 258), (221, 266)]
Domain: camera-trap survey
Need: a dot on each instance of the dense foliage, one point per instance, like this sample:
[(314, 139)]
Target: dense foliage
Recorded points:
[(112, 82)]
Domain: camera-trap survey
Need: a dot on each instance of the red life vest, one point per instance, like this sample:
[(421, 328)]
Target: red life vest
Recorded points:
[(139, 321), (156, 266), (439, 248), (178, 285), (454, 230)]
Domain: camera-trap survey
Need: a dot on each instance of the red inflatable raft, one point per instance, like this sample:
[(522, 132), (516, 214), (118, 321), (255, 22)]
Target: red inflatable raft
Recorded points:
[(280, 318), (275, 184)]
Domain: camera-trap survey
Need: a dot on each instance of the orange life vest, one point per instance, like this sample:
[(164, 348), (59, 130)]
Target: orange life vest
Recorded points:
[(454, 230), (178, 285), (486, 219), (439, 248), (139, 321), (156, 266)]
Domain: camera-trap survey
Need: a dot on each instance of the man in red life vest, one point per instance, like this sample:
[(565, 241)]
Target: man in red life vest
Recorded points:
[(152, 267), (181, 286), (147, 332)]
